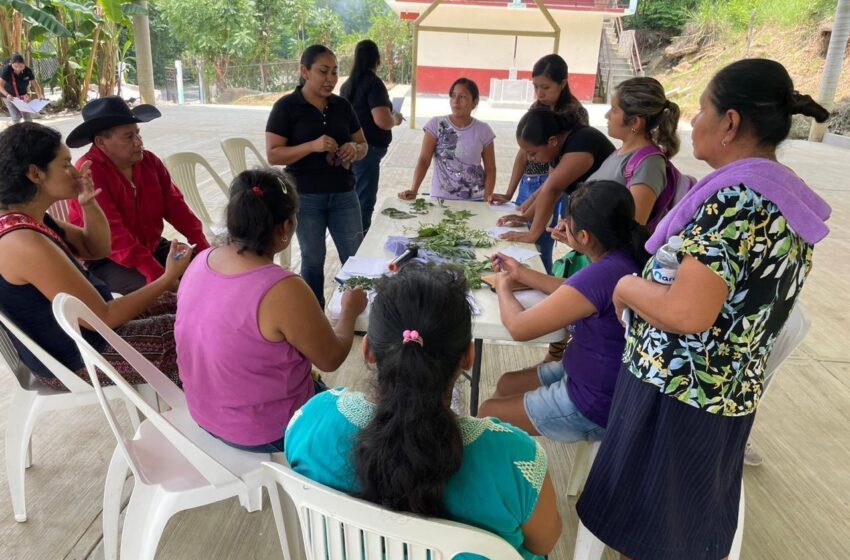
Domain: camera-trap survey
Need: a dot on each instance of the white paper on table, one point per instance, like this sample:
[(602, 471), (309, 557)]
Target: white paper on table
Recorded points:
[(519, 253), (506, 207), (335, 306), (363, 266), (473, 305), (496, 232), (34, 106), (529, 298), (397, 103)]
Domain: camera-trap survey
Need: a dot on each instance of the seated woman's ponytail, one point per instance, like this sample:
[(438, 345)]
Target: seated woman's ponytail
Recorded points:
[(420, 328), (607, 210)]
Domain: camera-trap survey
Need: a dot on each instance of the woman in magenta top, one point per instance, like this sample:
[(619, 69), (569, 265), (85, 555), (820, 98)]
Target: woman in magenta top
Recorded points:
[(248, 331)]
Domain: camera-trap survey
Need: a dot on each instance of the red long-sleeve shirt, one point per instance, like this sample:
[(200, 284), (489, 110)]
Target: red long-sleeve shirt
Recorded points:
[(136, 214)]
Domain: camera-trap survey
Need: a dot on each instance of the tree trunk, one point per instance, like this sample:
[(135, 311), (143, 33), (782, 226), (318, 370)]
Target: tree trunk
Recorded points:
[(70, 86), (17, 30), (94, 43), (6, 26)]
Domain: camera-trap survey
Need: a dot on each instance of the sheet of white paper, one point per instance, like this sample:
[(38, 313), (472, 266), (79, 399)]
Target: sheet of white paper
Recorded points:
[(519, 253), (508, 207), (397, 103), (22, 105), (495, 232), (39, 104), (363, 266), (529, 298), (335, 306), (473, 305)]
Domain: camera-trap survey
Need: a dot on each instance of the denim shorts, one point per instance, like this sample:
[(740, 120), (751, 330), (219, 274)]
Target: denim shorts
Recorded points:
[(552, 412)]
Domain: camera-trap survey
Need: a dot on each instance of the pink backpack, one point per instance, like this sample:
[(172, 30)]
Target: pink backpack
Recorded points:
[(678, 184)]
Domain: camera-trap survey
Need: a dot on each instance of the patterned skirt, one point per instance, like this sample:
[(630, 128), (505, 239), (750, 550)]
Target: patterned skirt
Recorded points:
[(667, 480), (152, 335)]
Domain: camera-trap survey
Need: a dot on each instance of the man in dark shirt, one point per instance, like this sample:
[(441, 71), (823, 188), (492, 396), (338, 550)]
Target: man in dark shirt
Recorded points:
[(15, 80)]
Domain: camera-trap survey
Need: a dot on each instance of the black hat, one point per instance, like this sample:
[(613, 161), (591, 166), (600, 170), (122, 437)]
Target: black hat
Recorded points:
[(105, 113)]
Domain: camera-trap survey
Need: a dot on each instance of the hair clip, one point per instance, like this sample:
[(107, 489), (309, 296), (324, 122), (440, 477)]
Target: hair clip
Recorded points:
[(412, 336), (258, 192)]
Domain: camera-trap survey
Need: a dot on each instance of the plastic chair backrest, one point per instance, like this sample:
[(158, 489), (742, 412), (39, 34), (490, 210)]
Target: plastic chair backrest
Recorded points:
[(59, 210), (182, 168), (234, 150), (792, 334), (336, 526), (69, 311), (63, 374)]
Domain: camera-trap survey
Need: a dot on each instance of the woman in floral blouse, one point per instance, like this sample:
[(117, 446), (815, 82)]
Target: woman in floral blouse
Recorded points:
[(667, 481)]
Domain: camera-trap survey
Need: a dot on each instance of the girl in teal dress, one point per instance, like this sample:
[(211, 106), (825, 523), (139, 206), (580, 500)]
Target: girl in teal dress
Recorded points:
[(401, 446)]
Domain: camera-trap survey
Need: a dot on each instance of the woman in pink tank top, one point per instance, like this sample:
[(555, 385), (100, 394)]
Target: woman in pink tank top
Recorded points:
[(248, 331)]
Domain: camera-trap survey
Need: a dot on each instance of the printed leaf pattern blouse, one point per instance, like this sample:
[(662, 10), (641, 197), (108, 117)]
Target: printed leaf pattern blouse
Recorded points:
[(746, 241)]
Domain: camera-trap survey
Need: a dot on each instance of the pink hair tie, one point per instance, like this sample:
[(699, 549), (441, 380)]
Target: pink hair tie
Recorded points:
[(412, 336), (258, 192)]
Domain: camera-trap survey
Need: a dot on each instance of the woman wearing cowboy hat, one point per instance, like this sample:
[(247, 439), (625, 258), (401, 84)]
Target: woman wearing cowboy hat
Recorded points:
[(137, 194)]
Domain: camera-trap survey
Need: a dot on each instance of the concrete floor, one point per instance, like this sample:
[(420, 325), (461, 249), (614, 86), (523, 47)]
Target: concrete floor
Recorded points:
[(798, 502)]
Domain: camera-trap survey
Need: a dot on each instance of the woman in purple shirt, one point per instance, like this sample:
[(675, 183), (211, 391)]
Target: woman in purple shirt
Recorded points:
[(570, 400), (249, 332)]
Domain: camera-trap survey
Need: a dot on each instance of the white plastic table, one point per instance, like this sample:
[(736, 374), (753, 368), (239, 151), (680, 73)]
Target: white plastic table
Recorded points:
[(485, 326)]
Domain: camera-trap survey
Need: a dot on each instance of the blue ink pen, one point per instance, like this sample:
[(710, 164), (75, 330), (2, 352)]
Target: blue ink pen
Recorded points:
[(179, 254)]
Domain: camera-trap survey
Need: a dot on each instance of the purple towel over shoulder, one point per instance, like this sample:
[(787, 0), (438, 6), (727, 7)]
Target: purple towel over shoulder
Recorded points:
[(805, 211)]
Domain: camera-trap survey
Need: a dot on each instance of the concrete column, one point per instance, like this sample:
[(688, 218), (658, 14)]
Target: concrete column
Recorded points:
[(832, 67), (144, 59)]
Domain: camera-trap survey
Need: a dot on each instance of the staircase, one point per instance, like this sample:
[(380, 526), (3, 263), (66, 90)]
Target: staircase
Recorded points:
[(619, 58)]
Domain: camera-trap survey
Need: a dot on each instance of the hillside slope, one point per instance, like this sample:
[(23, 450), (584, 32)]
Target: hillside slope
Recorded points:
[(798, 48)]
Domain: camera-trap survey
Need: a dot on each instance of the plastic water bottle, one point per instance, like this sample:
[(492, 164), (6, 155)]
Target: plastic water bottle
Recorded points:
[(665, 265)]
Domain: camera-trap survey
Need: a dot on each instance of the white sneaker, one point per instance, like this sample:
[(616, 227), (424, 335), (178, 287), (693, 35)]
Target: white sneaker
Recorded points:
[(752, 458)]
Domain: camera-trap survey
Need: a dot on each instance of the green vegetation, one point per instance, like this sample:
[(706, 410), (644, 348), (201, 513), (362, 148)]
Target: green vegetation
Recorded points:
[(241, 40), (357, 282), (736, 15), (718, 32), (80, 42)]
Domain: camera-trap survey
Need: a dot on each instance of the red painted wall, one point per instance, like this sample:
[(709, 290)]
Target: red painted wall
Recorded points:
[(437, 79)]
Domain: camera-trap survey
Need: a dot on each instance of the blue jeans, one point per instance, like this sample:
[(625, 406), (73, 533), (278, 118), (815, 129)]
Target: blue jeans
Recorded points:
[(367, 172), (338, 213), (16, 114), (527, 186), (553, 413)]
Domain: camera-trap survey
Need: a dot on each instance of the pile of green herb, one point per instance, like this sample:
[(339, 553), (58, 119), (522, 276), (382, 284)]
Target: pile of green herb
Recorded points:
[(473, 270), (396, 214), (452, 239), (421, 206), (358, 282)]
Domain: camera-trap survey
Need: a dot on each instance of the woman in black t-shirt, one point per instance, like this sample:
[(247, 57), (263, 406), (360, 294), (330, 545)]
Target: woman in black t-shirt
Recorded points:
[(573, 150), (371, 101), (317, 136), (15, 80)]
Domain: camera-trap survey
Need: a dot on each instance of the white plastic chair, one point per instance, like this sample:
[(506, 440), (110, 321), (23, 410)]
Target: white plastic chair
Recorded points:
[(336, 526), (588, 547), (59, 210), (176, 464), (31, 398), (235, 151), (182, 167)]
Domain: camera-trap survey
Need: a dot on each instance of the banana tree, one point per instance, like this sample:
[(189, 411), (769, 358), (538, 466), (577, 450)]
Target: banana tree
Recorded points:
[(87, 35)]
